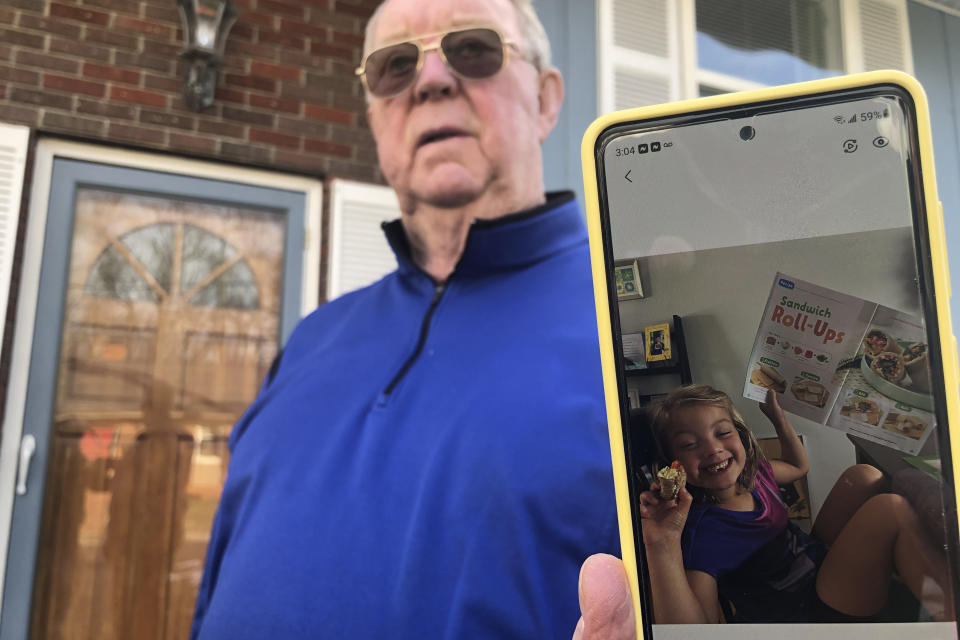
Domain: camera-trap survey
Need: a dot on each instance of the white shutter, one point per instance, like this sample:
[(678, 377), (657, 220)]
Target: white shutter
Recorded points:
[(639, 53), (877, 35), (13, 159), (641, 25), (359, 253), (634, 88)]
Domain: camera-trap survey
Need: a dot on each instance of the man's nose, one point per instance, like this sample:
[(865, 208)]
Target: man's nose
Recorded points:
[(435, 79)]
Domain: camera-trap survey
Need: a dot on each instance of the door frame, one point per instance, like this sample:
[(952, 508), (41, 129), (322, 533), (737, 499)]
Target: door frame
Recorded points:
[(47, 150)]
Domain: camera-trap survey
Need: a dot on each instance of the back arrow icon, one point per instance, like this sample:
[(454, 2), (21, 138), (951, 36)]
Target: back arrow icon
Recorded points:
[(628, 176)]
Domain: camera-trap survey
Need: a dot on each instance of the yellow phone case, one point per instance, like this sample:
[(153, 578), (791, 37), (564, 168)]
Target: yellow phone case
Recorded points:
[(941, 283)]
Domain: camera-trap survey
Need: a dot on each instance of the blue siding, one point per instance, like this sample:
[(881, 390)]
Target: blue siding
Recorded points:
[(936, 59), (571, 25)]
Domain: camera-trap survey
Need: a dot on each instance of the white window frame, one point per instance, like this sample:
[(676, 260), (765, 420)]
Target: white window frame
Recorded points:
[(940, 6)]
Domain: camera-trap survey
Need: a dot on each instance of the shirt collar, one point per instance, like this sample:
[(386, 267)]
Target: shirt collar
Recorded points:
[(508, 242)]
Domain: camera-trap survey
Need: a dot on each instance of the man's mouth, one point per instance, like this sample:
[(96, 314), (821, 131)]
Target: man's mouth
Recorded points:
[(720, 467), (439, 135)]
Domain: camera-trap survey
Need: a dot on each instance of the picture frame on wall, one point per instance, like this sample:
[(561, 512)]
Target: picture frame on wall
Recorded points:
[(658, 342), (634, 351), (627, 275)]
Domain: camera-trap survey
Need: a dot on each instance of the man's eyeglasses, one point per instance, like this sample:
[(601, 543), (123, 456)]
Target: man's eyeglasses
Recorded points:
[(474, 53)]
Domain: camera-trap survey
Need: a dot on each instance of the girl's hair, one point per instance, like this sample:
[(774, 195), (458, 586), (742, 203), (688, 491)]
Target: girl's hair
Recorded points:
[(699, 395)]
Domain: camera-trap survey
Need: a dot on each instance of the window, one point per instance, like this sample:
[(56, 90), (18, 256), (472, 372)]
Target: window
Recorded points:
[(212, 273), (655, 51), (768, 42)]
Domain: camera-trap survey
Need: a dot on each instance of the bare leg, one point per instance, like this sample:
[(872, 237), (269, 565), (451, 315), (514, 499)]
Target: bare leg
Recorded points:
[(884, 534), (855, 486)]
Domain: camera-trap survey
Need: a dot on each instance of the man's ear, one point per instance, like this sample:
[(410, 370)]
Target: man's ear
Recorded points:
[(551, 98), (371, 121)]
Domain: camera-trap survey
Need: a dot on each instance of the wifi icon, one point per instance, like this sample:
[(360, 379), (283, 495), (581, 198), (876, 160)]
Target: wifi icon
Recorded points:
[(839, 119)]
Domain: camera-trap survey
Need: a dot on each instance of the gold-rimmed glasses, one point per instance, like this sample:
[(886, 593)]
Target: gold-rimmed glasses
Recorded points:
[(474, 53)]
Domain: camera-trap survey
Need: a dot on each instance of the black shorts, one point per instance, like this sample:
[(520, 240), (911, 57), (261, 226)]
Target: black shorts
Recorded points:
[(804, 606), (820, 611)]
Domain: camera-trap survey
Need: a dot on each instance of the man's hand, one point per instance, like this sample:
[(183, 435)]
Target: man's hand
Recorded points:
[(605, 604)]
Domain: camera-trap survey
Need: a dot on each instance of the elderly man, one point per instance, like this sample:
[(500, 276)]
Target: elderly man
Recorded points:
[(429, 458)]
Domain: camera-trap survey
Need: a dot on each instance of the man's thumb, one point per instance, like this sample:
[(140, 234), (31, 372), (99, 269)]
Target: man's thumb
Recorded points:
[(605, 604)]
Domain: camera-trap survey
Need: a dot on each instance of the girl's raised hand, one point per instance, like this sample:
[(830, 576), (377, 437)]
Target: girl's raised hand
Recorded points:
[(793, 463), (662, 520), (771, 408)]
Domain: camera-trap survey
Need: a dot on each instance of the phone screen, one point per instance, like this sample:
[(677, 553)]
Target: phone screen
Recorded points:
[(781, 248)]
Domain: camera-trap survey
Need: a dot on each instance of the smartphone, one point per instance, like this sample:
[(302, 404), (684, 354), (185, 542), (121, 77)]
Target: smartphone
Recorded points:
[(779, 248)]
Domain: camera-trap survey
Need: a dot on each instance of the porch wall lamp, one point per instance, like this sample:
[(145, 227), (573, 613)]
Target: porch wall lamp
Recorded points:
[(206, 24)]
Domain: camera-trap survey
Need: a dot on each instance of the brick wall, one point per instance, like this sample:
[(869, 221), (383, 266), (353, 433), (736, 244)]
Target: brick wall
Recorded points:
[(287, 97)]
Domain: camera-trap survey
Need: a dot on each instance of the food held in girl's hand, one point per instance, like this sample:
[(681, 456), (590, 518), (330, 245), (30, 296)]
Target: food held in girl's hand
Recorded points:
[(671, 480)]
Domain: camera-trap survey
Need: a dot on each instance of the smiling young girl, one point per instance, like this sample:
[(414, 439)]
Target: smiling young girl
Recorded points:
[(726, 551)]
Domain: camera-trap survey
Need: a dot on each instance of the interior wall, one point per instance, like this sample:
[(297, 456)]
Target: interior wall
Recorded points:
[(721, 293)]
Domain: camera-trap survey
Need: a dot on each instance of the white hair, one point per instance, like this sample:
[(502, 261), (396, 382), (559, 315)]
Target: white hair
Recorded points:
[(535, 45)]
